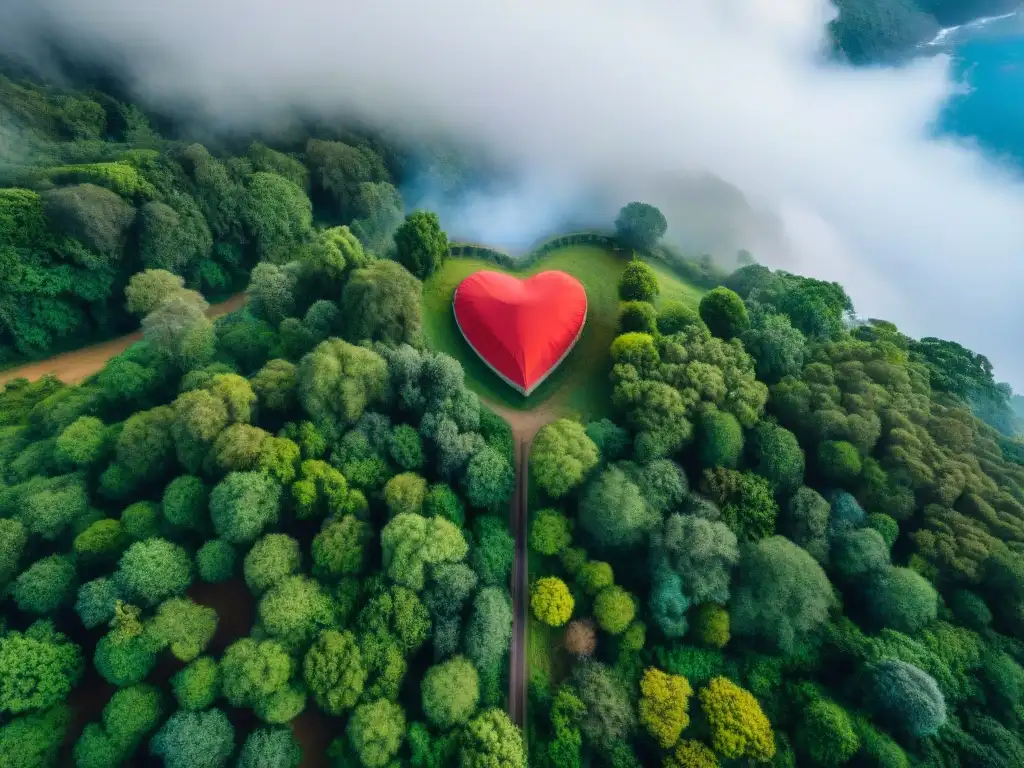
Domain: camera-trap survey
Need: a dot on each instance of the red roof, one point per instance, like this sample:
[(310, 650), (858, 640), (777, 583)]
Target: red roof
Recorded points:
[(522, 328)]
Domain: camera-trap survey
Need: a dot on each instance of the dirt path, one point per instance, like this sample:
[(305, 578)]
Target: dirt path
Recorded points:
[(524, 426), (77, 365)]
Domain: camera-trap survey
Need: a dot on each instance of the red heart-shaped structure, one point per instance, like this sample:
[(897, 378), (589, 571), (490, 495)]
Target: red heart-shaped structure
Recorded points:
[(522, 329)]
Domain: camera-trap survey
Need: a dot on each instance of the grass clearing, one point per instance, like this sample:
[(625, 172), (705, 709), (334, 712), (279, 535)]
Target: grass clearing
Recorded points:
[(580, 385)]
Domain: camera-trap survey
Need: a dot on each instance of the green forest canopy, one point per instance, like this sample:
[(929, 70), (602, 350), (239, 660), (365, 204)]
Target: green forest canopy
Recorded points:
[(795, 541)]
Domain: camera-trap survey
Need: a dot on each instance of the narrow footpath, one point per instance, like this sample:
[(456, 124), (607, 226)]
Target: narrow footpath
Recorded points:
[(524, 426), (76, 365)]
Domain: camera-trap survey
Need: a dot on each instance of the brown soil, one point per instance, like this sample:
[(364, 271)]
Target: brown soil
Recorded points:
[(79, 364)]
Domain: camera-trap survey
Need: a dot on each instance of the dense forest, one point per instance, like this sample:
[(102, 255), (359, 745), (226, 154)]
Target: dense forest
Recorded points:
[(794, 544), (793, 537), (91, 195)]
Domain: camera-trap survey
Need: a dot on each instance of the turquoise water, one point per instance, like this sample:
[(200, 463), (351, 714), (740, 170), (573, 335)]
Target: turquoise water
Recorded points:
[(990, 57)]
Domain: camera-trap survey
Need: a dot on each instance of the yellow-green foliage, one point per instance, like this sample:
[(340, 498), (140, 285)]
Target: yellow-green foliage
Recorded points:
[(21, 217), (739, 727), (119, 177), (664, 704), (691, 754), (712, 625), (551, 601)]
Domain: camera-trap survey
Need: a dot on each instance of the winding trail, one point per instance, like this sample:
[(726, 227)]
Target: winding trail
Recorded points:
[(76, 365)]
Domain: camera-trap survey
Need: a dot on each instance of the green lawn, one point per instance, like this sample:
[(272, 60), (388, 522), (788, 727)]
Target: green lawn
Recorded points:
[(580, 385)]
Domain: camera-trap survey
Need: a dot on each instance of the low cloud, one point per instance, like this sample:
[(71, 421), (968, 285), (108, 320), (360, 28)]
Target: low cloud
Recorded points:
[(817, 168)]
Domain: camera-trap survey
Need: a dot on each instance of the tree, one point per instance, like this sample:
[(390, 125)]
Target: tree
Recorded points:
[(97, 217), (95, 748), (904, 696), (489, 479), (826, 733), (195, 740), (613, 511), (551, 601), (337, 381), (724, 313), (611, 440), (272, 292), (333, 669), (339, 549), (13, 538), (183, 626), (123, 662), (410, 543), (663, 705), (294, 610), (701, 552), (719, 439), (739, 728), (490, 627), (491, 739), (609, 716), (381, 302), (179, 331), (322, 491), (858, 553), (777, 457), (376, 730), (781, 594), (712, 625), (276, 385), (399, 613), (640, 226), (902, 599), (185, 502), (594, 576), (243, 504), (83, 443), (639, 317), (173, 241), (746, 501), (270, 748), (561, 456), (46, 585), (580, 638), (675, 316), (150, 571), (149, 288), (494, 550), (196, 686), (638, 282), (805, 520), (33, 741), (215, 561), (130, 714), (614, 609), (420, 243), (690, 753), (405, 493), (40, 668), (777, 347), (141, 520), (271, 559), (252, 672), (839, 462), (451, 692), (550, 532), (668, 604), (96, 601), (277, 215)]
